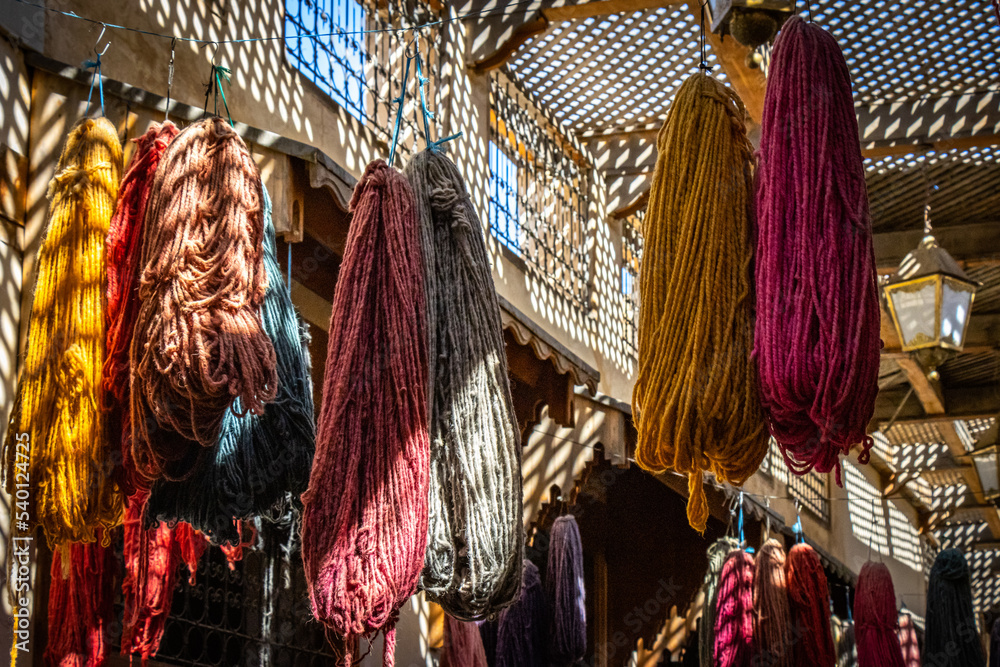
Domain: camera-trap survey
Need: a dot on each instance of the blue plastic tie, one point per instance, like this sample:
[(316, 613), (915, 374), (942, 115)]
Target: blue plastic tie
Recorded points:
[(98, 79), (399, 110)]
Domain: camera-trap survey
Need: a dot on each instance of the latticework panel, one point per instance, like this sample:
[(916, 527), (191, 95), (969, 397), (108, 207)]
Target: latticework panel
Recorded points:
[(911, 49), (965, 180), (631, 259), (613, 71)]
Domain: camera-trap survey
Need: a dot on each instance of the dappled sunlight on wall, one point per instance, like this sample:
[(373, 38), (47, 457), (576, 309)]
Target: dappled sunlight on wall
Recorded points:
[(867, 511)]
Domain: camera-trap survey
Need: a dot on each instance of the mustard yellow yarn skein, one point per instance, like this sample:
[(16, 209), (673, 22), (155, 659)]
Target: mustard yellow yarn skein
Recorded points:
[(58, 406), (695, 399)]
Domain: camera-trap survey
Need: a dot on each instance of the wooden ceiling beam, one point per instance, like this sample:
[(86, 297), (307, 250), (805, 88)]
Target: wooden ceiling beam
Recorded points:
[(986, 545), (586, 10), (962, 403), (874, 150), (976, 242)]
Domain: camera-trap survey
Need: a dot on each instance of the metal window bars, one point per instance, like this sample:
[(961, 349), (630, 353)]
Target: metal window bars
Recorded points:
[(631, 260), (539, 195), (356, 56), (813, 491)]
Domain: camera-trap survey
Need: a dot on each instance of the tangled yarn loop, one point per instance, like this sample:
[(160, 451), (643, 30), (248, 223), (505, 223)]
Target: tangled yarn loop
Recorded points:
[(199, 343), (817, 338), (364, 526), (475, 536), (74, 490)]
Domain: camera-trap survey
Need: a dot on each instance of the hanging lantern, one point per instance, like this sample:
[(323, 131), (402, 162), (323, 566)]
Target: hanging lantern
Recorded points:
[(752, 22), (986, 459), (930, 302)]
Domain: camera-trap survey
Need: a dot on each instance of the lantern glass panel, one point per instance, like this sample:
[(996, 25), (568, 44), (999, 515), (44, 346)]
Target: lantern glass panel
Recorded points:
[(987, 465), (914, 305), (956, 302)]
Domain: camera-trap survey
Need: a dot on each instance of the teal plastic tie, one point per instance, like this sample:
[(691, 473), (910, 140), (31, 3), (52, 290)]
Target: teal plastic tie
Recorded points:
[(399, 110), (96, 78)]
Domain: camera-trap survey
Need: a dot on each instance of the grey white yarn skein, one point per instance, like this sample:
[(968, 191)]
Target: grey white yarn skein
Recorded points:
[(475, 540)]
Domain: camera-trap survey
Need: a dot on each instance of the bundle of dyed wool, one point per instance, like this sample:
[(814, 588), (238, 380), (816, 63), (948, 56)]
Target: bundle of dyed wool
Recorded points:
[(845, 643), (463, 647), (909, 642), (522, 628), (875, 618), (772, 632), (81, 605), (152, 558), (809, 599), (817, 339), (124, 249), (475, 536), (364, 526), (565, 593), (951, 638), (259, 459), (198, 343), (695, 399), (734, 612), (994, 639), (488, 633), (57, 405), (717, 554)]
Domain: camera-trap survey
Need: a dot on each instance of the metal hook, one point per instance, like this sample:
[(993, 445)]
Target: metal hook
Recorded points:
[(98, 42)]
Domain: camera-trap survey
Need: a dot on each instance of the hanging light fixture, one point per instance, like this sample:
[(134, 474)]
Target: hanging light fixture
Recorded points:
[(930, 301), (986, 459)]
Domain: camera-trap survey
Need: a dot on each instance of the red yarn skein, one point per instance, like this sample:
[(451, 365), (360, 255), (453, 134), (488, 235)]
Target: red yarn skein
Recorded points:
[(364, 526), (818, 322), (876, 619), (809, 596), (734, 612)]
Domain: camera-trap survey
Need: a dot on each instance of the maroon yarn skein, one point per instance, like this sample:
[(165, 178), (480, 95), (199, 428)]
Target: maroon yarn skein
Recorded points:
[(364, 524), (734, 612), (818, 321), (876, 621)]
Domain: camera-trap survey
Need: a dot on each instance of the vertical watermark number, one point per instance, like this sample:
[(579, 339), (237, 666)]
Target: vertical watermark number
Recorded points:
[(21, 544)]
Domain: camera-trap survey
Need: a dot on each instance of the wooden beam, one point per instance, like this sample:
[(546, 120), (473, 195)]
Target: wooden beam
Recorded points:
[(957, 448), (586, 10), (989, 545), (521, 34), (976, 242), (637, 204), (928, 391), (874, 150), (962, 402)]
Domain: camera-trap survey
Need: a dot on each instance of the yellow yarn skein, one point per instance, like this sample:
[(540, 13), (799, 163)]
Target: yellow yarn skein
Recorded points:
[(58, 404), (695, 400)]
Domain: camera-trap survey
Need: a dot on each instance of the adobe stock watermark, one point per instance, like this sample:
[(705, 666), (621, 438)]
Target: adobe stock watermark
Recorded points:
[(20, 524)]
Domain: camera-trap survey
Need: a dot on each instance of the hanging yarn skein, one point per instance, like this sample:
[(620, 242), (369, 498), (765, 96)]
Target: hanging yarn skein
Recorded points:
[(198, 343), (463, 647), (57, 406), (565, 593), (875, 618), (909, 642), (817, 338), (717, 554), (81, 605), (734, 612), (695, 399), (152, 558), (772, 632), (259, 459), (809, 598), (951, 638), (364, 526), (475, 536), (522, 628), (124, 251), (994, 642)]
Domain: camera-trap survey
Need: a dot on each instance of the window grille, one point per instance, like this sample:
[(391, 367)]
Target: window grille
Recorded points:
[(631, 259), (255, 613), (356, 60), (813, 491), (538, 195)]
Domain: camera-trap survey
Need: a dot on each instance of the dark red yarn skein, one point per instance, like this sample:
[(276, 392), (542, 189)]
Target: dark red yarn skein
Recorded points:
[(364, 526), (734, 612), (809, 596), (817, 334), (876, 621)]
